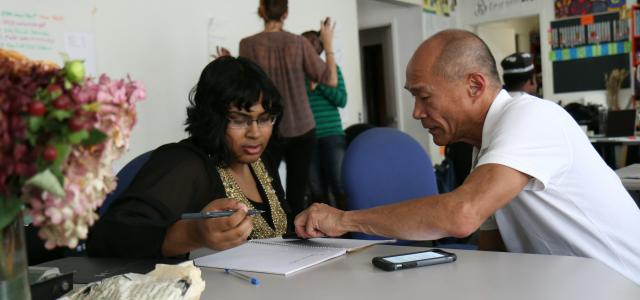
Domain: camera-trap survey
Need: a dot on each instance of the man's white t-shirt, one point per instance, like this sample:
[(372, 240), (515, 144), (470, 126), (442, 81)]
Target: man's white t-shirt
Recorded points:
[(574, 203)]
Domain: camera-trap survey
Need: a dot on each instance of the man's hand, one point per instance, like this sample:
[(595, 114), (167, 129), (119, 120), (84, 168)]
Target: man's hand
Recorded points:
[(319, 220), (226, 232)]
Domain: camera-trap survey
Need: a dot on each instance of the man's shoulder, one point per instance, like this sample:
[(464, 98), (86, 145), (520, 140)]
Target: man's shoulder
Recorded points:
[(529, 105)]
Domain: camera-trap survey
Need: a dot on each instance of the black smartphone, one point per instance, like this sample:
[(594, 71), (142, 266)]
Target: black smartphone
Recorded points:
[(413, 259)]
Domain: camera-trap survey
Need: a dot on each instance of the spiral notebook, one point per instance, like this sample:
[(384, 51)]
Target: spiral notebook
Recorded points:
[(282, 256)]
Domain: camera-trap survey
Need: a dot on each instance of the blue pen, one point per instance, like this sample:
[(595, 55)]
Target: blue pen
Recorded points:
[(217, 214), (237, 274)]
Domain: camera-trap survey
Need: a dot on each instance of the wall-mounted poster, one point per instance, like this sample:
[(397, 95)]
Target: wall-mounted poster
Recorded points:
[(439, 7), (584, 49), (569, 8)]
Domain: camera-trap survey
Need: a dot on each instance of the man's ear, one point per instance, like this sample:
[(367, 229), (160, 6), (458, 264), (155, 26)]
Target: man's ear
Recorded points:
[(284, 16), (476, 84), (261, 12)]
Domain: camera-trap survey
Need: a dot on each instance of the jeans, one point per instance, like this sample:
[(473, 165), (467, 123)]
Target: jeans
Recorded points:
[(325, 180)]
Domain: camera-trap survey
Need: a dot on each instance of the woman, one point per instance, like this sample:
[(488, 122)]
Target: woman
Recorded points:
[(325, 182), (221, 166), (287, 58)]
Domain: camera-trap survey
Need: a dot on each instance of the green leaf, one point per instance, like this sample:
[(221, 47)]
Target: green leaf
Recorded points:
[(32, 138), (63, 151), (9, 209), (60, 115), (78, 136), (55, 94), (57, 172), (95, 137), (35, 123), (67, 84), (93, 106), (46, 181)]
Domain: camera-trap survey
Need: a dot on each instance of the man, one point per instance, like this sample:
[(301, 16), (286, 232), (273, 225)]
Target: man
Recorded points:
[(519, 74), (534, 169)]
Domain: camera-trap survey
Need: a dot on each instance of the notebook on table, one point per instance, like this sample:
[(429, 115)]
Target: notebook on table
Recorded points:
[(282, 256)]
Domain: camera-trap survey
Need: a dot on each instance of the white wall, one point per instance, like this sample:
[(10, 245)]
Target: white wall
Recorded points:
[(500, 36), (407, 34), (165, 44)]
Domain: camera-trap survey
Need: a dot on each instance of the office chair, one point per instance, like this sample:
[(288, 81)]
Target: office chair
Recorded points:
[(125, 176), (351, 132)]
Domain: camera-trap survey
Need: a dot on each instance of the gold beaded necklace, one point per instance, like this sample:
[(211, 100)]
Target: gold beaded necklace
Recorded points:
[(261, 228)]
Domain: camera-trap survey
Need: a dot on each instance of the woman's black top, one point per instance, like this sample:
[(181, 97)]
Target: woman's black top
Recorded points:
[(177, 178)]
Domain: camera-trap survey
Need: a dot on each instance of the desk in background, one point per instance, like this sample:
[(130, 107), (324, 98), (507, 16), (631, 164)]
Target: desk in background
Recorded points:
[(606, 148), (630, 177), (476, 275)]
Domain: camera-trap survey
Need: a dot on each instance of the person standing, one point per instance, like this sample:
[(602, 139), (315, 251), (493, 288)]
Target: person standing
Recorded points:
[(325, 180), (287, 58)]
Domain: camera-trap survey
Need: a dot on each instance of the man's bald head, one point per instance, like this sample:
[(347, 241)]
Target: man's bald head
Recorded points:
[(457, 53)]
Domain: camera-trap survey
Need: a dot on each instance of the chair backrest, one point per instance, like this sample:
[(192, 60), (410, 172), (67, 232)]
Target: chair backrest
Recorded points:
[(351, 132), (383, 166), (125, 176)]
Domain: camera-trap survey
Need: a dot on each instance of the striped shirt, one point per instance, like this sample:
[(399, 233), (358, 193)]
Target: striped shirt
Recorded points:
[(325, 102)]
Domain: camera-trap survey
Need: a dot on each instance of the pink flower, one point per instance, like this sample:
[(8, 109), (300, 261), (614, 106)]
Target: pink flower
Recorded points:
[(106, 105)]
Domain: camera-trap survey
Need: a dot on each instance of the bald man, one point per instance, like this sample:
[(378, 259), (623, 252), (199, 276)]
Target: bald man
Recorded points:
[(534, 168)]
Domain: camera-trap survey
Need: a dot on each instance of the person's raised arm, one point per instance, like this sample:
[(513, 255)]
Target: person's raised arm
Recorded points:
[(326, 36), (314, 67), (220, 52), (337, 96), (458, 213)]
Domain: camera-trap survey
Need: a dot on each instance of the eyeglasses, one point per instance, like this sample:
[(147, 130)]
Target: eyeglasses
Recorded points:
[(243, 122)]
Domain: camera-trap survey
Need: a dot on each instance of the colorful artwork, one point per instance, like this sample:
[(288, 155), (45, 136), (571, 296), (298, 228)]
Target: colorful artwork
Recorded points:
[(439, 7), (570, 8)]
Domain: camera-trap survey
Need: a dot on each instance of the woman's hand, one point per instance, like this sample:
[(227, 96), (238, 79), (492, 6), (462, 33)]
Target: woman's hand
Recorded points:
[(326, 34), (215, 233), (226, 232)]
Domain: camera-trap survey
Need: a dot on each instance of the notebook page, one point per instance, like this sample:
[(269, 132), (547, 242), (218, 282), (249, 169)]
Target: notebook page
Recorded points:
[(268, 258), (349, 245)]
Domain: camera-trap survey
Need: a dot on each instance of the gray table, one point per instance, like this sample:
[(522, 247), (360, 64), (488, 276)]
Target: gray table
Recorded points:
[(630, 177), (476, 275)]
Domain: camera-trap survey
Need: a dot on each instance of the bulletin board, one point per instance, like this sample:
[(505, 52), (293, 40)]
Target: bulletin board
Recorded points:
[(586, 48), (44, 30)]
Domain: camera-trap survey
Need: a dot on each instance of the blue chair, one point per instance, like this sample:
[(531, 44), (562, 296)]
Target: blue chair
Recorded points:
[(383, 166), (125, 176)]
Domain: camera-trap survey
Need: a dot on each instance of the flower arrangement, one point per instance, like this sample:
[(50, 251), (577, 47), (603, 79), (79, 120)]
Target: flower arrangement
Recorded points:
[(59, 134)]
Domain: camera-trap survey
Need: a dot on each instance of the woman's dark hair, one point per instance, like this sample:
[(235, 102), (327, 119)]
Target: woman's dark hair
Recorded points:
[(314, 38), (273, 9), (224, 83)]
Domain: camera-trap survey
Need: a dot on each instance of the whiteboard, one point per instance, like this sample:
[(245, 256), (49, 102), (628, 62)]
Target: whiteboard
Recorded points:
[(44, 30)]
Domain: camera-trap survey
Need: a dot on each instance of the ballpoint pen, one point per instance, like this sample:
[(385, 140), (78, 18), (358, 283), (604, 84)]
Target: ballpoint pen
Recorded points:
[(217, 214), (237, 274)]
